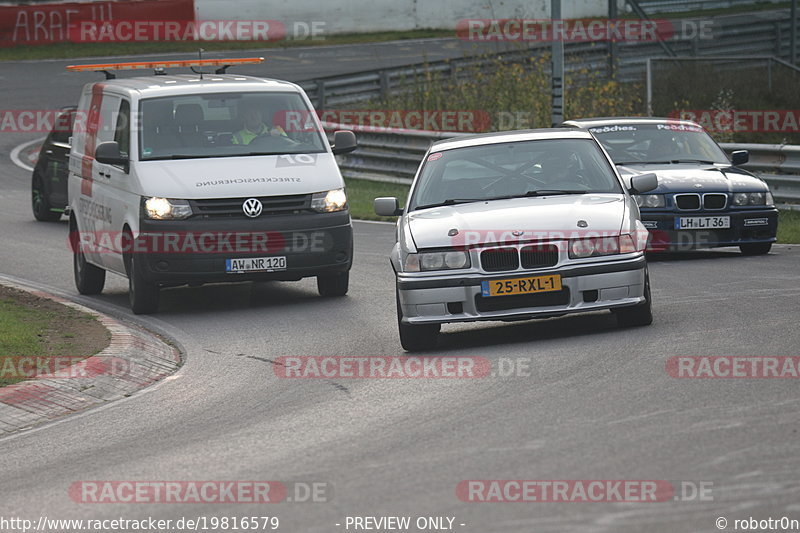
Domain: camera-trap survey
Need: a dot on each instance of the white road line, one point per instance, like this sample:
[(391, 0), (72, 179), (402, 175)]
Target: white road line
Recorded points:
[(16, 151)]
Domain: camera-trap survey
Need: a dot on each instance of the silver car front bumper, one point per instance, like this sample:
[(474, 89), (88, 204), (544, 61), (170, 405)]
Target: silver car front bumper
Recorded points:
[(594, 286)]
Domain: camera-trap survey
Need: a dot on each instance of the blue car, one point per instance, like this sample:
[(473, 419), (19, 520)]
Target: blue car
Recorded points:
[(703, 199)]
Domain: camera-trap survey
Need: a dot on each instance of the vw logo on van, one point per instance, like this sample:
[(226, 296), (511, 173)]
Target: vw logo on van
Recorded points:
[(252, 207)]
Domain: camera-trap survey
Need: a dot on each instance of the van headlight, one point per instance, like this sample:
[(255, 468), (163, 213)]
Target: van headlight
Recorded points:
[(329, 201), (427, 261), (156, 208)]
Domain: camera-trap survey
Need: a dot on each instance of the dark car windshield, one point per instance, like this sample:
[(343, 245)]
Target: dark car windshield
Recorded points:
[(514, 169), (231, 124), (658, 143)]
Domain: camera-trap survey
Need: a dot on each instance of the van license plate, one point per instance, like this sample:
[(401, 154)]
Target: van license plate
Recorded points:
[(255, 264)]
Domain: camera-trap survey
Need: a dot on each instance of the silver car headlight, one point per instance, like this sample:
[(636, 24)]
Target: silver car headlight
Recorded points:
[(741, 199), (600, 246), (649, 200), (428, 261), (329, 201), (156, 208)]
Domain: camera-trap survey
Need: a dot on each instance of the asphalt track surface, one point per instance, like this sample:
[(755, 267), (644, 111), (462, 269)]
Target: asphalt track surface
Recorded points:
[(596, 404)]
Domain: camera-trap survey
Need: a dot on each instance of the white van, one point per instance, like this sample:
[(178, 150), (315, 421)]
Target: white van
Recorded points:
[(191, 179)]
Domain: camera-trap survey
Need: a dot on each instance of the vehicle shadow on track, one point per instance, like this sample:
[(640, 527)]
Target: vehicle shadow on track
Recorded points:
[(486, 334), (265, 296)]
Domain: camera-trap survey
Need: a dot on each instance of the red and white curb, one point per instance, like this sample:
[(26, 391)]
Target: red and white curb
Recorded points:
[(138, 358)]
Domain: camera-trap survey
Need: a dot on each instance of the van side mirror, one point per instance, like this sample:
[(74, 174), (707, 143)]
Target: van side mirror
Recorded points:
[(344, 142), (387, 207), (108, 153), (740, 157), (643, 183)]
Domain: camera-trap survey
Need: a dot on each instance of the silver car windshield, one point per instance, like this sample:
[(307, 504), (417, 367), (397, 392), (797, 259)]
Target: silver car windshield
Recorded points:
[(225, 125), (658, 143), (513, 170)]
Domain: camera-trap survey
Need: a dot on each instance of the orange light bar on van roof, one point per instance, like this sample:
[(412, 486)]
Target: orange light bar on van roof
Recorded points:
[(166, 64)]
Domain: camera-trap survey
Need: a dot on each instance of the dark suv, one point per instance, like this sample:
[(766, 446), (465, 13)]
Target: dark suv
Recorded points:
[(49, 181)]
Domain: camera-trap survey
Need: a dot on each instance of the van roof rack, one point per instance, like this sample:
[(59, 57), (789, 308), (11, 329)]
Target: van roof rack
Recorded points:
[(159, 67)]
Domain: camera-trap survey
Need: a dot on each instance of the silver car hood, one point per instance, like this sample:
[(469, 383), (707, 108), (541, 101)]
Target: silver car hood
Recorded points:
[(538, 217)]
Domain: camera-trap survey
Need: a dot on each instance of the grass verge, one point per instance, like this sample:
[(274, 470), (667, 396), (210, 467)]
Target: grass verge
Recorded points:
[(788, 227), (36, 327), (361, 193)]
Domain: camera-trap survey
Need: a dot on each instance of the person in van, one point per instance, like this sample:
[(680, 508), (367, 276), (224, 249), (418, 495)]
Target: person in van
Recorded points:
[(254, 126)]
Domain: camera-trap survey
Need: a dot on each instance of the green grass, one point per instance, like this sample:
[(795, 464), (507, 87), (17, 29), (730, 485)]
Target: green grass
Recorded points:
[(20, 329), (788, 227), (361, 193), (82, 50), (39, 328)]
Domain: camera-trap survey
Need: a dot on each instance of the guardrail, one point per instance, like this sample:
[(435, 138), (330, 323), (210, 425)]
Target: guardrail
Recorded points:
[(763, 33), (393, 155)]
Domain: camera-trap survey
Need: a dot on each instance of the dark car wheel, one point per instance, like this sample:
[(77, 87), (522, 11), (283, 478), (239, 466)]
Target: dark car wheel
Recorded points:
[(755, 248), (143, 295), (416, 338), (333, 284), (89, 279), (41, 207), (637, 315)]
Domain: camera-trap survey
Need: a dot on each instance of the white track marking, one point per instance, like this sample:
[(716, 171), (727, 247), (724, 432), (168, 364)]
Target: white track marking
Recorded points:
[(16, 151)]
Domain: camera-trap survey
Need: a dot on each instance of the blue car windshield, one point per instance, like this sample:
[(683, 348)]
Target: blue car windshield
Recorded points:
[(658, 143)]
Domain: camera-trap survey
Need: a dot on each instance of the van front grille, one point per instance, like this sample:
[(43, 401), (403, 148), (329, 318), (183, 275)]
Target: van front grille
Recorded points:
[(232, 207)]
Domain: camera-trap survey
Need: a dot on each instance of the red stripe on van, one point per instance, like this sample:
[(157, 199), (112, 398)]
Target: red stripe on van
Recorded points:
[(92, 126)]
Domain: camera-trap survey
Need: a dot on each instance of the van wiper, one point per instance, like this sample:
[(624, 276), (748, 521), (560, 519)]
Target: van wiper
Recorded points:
[(187, 156), (451, 201)]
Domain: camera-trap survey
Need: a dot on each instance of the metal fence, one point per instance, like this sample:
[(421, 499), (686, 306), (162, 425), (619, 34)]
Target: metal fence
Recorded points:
[(765, 33), (652, 7), (392, 155)]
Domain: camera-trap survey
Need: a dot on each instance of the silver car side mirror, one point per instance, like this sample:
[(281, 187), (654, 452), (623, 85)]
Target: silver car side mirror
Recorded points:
[(643, 183), (387, 207)]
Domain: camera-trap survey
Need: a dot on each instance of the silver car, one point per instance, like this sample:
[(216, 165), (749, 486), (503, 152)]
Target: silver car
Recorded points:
[(517, 225)]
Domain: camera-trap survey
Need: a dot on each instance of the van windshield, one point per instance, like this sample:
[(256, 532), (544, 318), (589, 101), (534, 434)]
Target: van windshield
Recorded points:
[(227, 125)]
